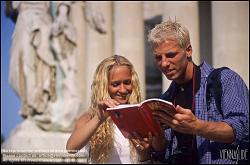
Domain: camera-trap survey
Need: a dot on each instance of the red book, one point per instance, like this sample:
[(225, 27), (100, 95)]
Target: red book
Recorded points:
[(138, 118)]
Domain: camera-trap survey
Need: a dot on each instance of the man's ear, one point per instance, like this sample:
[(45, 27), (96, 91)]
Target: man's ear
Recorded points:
[(189, 51)]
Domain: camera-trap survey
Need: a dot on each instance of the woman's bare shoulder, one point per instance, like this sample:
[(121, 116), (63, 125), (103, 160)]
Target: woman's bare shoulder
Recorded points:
[(84, 118)]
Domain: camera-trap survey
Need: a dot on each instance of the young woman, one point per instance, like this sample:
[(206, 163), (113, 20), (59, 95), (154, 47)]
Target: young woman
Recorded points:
[(115, 82)]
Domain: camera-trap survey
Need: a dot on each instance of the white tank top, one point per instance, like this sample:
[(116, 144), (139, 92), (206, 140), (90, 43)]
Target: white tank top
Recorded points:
[(121, 152)]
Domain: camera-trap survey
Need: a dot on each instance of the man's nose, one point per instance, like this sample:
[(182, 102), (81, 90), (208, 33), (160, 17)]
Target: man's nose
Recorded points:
[(164, 62)]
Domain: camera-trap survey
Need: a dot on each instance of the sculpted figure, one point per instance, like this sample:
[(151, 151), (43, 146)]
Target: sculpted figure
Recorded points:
[(32, 66), (43, 60)]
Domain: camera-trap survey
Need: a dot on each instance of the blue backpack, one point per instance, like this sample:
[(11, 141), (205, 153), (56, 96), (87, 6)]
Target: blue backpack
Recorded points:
[(214, 88)]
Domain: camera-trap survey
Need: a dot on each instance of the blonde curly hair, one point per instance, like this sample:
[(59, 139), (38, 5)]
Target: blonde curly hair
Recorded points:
[(102, 142)]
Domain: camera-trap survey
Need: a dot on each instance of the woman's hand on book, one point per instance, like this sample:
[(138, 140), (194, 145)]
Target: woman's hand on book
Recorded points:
[(142, 145), (103, 105)]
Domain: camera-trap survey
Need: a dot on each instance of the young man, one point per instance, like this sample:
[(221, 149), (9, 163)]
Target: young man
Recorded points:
[(198, 134)]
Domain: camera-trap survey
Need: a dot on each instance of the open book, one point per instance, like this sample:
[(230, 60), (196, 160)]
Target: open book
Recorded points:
[(138, 118)]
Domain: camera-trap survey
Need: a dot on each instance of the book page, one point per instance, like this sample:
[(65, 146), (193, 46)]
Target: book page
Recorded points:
[(123, 106), (159, 104), (157, 100)]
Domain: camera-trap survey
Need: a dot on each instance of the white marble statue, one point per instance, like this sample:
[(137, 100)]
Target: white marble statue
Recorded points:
[(43, 63), (32, 65), (65, 111)]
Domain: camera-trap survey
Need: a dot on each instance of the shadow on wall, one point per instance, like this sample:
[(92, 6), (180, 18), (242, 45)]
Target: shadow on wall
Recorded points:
[(205, 24), (154, 75)]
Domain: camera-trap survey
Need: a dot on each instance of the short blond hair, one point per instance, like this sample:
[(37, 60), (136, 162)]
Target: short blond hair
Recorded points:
[(170, 30)]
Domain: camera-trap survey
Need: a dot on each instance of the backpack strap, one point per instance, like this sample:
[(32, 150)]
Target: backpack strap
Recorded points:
[(214, 88)]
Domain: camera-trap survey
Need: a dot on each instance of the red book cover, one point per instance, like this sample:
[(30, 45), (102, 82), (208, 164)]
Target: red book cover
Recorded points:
[(138, 118)]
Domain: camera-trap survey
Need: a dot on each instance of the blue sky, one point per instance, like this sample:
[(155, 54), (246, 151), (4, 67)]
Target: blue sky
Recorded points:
[(10, 103)]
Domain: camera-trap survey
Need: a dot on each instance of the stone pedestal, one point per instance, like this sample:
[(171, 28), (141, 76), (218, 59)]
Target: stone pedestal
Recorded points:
[(28, 143)]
